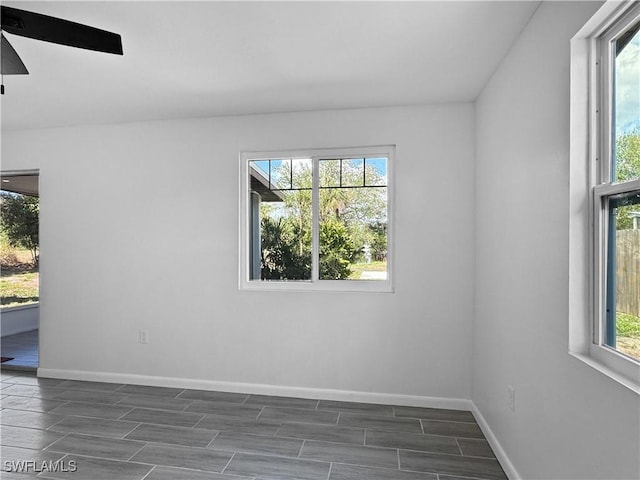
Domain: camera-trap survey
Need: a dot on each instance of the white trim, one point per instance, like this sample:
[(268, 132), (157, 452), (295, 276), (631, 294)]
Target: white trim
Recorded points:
[(496, 446), (261, 389), (19, 307), (19, 319), (387, 151), (587, 165)]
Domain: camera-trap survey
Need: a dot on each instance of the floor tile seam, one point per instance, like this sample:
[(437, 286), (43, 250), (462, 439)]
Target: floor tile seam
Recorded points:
[(31, 396), (302, 410), (213, 400), (150, 386), (34, 411), (86, 417), (211, 441), (351, 444), (322, 424), (373, 447), (149, 472), (156, 424), (23, 426), (305, 460), (32, 428), (144, 444), (228, 463), (119, 402), (49, 444), (304, 442), (124, 414), (459, 446), (438, 420), (261, 453), (90, 390), (97, 405), (58, 397), (343, 462), (386, 430), (210, 413), (452, 455), (109, 459), (92, 434), (272, 437), (435, 452), (103, 457), (164, 424), (330, 470), (165, 444)]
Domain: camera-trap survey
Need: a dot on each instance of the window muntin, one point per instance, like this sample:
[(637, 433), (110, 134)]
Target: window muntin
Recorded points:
[(617, 192), (317, 219)]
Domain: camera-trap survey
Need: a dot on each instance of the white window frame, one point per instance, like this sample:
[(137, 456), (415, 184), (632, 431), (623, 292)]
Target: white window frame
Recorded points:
[(591, 186), (315, 284)]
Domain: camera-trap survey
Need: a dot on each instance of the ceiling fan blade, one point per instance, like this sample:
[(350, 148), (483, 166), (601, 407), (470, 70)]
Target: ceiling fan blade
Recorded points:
[(11, 62), (57, 30)]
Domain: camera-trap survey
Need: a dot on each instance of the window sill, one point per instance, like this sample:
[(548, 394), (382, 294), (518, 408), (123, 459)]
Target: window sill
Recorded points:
[(600, 357), (321, 286)]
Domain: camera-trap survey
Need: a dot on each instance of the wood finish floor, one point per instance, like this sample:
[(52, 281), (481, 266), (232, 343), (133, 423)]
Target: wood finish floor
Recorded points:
[(127, 432)]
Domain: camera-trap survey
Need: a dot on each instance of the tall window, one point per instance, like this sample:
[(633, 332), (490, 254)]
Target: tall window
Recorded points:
[(317, 219), (616, 189)]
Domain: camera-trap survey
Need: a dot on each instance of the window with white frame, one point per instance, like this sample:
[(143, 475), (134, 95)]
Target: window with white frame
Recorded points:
[(316, 219), (615, 182)]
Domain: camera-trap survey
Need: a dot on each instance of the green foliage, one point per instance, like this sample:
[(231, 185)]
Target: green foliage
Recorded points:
[(19, 214), (627, 168), (19, 289), (628, 156), (337, 251), (350, 218), (627, 325), (282, 257)]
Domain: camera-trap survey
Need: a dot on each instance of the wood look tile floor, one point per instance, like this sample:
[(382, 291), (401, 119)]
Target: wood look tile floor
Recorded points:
[(118, 432)]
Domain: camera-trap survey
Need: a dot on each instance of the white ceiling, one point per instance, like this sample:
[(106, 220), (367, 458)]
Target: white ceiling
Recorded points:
[(192, 59)]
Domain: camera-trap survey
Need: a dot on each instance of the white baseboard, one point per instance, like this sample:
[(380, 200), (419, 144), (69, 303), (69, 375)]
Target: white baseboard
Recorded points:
[(501, 455), (301, 392), (262, 389)]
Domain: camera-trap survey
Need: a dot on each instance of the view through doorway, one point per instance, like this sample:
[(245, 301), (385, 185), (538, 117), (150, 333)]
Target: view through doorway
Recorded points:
[(19, 269)]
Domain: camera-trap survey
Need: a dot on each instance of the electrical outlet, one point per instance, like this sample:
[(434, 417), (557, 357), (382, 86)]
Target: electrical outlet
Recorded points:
[(144, 336), (512, 398)]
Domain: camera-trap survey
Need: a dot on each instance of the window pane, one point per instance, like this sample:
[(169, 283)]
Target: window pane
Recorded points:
[(280, 230), (376, 171), (623, 275), (329, 173), (281, 174), (353, 224), (626, 103), (353, 172)]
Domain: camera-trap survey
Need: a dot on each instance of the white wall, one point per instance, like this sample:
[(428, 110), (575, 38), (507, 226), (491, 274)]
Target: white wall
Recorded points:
[(139, 229), (570, 421)]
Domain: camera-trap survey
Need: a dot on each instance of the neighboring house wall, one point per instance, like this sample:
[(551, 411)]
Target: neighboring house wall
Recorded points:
[(570, 421), (139, 230)]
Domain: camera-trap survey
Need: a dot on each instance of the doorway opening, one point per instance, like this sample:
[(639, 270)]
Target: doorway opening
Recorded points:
[(19, 270)]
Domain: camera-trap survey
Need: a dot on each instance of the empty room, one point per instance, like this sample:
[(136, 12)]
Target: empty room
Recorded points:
[(322, 240)]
